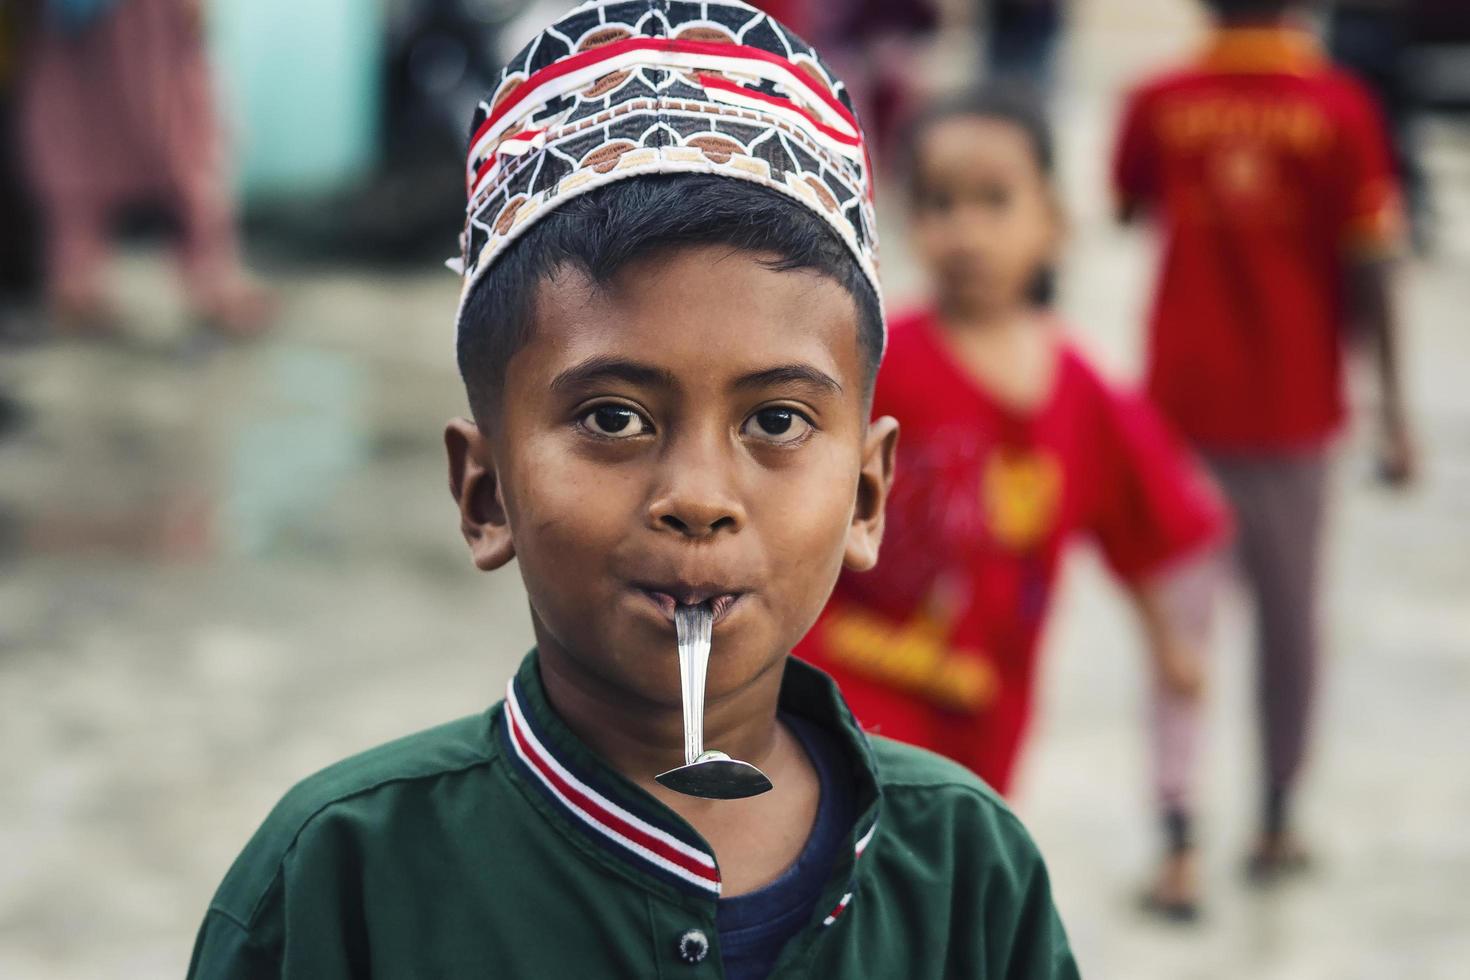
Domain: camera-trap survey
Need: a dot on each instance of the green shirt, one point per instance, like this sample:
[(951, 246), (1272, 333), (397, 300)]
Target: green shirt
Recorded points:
[(501, 846)]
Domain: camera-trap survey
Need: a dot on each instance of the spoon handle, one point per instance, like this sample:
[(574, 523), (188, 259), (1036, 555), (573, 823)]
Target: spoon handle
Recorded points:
[(693, 626)]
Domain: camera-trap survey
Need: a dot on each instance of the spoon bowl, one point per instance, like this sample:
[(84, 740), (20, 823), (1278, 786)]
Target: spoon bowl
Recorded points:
[(716, 776)]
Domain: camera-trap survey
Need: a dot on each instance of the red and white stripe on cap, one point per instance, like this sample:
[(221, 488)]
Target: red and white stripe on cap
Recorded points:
[(512, 146), (579, 70)]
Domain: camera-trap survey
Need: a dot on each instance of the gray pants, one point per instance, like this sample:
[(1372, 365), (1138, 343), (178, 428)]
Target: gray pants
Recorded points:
[(1279, 504)]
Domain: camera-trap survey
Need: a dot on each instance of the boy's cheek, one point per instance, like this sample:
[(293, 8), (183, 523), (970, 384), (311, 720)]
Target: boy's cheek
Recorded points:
[(567, 527), (808, 539), (552, 482)]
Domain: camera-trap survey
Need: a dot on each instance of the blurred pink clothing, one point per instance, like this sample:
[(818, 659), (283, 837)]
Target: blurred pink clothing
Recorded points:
[(119, 113), (1188, 590)]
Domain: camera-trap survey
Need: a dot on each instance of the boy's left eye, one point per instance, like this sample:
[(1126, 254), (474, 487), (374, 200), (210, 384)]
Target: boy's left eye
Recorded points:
[(779, 425)]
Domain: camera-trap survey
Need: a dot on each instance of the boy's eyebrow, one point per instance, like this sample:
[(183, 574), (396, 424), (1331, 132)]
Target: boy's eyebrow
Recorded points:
[(608, 368), (799, 374)]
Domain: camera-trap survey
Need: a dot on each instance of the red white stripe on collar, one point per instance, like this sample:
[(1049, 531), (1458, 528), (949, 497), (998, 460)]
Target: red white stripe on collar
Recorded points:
[(857, 851), (655, 849), (609, 823)]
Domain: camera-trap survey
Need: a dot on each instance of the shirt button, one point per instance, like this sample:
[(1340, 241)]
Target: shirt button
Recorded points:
[(693, 946)]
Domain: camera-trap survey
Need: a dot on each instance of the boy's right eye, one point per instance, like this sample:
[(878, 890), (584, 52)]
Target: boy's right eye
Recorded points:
[(616, 422)]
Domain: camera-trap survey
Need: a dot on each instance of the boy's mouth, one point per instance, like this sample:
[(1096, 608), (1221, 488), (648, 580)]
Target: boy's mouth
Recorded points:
[(668, 598)]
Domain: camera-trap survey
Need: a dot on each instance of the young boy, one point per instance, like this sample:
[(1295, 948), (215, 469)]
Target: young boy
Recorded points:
[(669, 336), (1270, 174)]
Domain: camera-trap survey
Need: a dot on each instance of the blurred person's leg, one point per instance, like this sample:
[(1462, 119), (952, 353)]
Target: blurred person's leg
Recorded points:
[(135, 81), (65, 117), (1176, 729), (1280, 507), (220, 289), (194, 150), (76, 253)]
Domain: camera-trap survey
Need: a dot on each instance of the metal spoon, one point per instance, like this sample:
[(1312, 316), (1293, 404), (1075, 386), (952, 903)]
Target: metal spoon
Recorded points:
[(710, 775)]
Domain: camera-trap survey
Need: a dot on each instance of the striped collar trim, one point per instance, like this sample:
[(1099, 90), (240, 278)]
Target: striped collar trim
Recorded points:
[(633, 828), (857, 852), (680, 862)]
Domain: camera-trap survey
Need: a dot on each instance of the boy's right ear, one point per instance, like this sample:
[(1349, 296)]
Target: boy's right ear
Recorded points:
[(475, 486), (875, 479)]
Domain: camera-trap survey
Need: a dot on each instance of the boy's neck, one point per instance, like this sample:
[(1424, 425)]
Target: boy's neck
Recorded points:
[(754, 840)]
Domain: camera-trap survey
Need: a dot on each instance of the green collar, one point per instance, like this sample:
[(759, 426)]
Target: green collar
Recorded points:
[(618, 823)]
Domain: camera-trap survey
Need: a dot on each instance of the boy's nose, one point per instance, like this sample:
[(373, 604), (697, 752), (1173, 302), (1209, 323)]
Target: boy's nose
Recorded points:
[(696, 501)]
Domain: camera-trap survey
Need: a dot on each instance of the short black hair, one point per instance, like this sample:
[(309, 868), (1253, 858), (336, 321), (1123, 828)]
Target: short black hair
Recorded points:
[(1230, 9), (1016, 104), (601, 231)]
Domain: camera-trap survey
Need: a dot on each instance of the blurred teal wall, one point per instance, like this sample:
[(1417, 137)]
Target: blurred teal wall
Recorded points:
[(300, 84)]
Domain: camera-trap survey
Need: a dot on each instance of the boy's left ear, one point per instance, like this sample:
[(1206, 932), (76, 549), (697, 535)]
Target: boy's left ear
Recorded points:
[(474, 484), (874, 481)]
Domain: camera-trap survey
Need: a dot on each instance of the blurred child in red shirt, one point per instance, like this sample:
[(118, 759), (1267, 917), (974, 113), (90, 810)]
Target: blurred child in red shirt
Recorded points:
[(1012, 447), (1269, 174)]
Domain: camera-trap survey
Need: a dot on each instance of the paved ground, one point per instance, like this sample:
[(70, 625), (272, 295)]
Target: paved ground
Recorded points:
[(222, 568)]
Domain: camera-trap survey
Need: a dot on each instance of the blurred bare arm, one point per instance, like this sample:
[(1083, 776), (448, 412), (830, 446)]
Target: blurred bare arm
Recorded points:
[(1373, 313), (1175, 629)]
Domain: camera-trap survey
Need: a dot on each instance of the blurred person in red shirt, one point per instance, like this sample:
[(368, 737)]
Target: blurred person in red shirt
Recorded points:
[(1013, 447), (1270, 176), (118, 110)]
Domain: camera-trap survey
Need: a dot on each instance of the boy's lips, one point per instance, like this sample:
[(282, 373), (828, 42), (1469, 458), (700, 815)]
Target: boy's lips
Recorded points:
[(720, 599)]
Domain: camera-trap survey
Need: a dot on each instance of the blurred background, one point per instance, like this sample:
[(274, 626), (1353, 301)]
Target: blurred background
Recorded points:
[(228, 557)]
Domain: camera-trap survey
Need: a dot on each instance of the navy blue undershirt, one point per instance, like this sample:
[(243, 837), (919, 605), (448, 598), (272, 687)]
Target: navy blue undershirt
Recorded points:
[(754, 928)]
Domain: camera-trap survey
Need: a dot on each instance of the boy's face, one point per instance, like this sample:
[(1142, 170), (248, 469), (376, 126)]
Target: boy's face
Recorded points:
[(985, 222), (693, 431)]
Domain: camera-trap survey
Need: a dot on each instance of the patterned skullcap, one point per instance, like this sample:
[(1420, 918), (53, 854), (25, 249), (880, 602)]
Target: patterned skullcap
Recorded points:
[(622, 89)]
